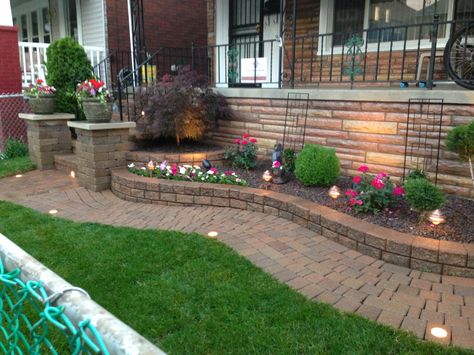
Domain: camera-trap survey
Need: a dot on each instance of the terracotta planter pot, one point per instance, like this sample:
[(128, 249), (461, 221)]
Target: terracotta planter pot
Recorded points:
[(97, 112), (43, 105)]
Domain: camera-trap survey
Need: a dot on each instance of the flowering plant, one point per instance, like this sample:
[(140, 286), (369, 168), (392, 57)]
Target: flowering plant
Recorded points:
[(186, 173), (372, 193), (244, 153), (39, 90), (93, 89)]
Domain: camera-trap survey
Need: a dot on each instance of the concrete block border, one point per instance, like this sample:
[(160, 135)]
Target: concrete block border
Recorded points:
[(425, 254)]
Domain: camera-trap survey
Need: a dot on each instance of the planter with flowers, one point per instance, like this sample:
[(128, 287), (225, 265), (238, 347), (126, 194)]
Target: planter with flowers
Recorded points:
[(96, 101), (41, 97)]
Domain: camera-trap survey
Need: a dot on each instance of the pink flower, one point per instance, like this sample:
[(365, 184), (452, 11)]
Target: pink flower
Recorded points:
[(398, 190), (174, 170), (246, 135), (360, 202), (378, 184), (352, 201), (350, 192), (213, 171), (228, 172), (363, 168), (253, 140), (237, 141), (276, 164), (381, 176), (245, 142), (163, 165), (357, 179)]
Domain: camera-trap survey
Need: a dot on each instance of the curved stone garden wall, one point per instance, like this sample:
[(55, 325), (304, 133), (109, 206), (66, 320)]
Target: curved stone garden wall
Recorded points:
[(216, 157), (443, 257)]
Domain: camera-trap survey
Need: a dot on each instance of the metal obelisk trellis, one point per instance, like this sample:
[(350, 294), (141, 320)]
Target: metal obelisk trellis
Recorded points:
[(295, 121), (423, 136)]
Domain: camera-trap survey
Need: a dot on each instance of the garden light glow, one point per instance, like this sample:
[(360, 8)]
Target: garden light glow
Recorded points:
[(438, 332), (73, 174), (151, 165), (436, 217), (212, 234), (53, 212), (267, 176), (334, 192), (18, 176)]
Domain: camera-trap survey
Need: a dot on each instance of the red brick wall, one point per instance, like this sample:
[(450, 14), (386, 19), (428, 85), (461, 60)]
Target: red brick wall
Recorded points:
[(361, 132), (167, 24), (10, 73), (10, 82)]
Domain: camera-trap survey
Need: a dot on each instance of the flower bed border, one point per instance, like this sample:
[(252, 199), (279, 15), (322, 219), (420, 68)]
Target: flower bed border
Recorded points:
[(216, 157), (425, 254)]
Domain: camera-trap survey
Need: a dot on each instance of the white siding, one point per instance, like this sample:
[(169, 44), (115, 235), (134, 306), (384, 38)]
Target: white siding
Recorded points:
[(93, 23)]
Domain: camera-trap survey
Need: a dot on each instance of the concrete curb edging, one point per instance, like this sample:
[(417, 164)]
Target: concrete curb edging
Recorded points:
[(425, 254), (118, 337)]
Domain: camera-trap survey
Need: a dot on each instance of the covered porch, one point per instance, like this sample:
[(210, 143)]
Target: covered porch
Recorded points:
[(40, 22)]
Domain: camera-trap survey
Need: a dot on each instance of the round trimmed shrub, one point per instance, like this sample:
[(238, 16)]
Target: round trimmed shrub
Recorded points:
[(67, 65), (422, 195), (317, 165)]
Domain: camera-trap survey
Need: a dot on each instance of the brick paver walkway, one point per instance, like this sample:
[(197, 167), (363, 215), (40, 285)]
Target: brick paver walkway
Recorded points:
[(318, 268)]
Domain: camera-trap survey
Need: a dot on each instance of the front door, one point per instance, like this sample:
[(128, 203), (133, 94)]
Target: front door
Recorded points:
[(246, 35)]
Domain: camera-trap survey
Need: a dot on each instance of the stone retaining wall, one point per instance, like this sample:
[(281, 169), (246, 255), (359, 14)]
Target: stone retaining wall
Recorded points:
[(362, 132), (215, 157), (444, 257)]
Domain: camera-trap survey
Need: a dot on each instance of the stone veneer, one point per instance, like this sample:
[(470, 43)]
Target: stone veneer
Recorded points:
[(100, 147), (443, 257), (47, 135), (362, 132)]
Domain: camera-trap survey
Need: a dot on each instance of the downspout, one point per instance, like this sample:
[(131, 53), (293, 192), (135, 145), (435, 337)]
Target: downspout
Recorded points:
[(132, 47)]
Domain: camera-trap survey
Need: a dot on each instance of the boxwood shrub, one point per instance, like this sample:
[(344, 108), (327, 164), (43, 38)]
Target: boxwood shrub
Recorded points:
[(317, 165), (422, 195)]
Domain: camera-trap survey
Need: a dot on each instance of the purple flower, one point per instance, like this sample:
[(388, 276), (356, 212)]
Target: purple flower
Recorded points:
[(93, 93)]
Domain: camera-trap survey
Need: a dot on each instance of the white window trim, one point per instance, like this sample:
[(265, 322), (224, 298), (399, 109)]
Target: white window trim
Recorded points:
[(326, 26), (27, 9)]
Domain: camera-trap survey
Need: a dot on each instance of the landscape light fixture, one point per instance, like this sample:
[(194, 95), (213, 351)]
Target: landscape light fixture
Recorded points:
[(334, 192), (206, 164), (212, 234), (53, 212), (436, 217), (438, 332), (73, 174), (267, 177), (18, 176)]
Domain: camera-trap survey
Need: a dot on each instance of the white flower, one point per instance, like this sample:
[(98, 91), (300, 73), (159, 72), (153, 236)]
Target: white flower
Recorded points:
[(182, 170), (167, 174), (131, 165), (238, 180), (210, 172), (203, 179), (233, 174), (197, 167), (186, 166)]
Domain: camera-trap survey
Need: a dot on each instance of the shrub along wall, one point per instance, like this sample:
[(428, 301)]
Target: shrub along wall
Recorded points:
[(361, 132)]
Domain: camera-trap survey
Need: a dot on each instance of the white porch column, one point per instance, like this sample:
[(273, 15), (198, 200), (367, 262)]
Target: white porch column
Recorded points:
[(5, 13)]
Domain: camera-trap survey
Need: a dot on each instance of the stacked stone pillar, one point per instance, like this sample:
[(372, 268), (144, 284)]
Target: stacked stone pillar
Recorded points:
[(100, 147), (47, 135)]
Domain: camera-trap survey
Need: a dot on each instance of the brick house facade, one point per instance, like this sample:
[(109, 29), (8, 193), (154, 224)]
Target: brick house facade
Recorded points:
[(364, 120)]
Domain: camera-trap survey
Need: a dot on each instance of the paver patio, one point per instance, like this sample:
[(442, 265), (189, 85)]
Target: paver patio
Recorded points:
[(315, 266)]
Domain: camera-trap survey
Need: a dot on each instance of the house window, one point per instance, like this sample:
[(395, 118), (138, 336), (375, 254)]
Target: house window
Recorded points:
[(23, 28), (34, 27), (378, 20), (46, 25)]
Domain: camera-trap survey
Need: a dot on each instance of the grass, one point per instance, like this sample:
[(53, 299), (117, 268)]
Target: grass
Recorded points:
[(190, 294), (15, 166)]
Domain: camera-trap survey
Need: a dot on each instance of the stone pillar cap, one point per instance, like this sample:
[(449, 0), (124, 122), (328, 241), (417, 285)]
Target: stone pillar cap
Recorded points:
[(100, 126), (52, 117)]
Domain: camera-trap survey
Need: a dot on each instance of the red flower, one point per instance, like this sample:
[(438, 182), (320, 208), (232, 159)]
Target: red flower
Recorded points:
[(39, 81), (246, 135), (360, 202), (237, 141), (245, 142), (398, 190), (213, 170), (352, 201), (363, 168), (253, 140), (378, 184), (357, 179), (350, 192)]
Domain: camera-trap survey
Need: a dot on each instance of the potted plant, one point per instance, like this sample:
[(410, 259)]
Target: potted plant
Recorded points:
[(41, 97), (96, 100)]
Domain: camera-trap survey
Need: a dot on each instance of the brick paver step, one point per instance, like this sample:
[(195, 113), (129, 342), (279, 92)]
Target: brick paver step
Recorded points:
[(316, 267)]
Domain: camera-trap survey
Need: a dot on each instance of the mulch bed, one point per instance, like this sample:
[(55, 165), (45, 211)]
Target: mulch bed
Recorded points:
[(459, 212)]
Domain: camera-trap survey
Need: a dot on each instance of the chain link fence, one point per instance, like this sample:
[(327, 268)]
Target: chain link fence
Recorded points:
[(11, 126)]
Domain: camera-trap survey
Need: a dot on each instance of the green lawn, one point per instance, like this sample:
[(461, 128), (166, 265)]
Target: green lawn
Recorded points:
[(15, 166), (190, 294)]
